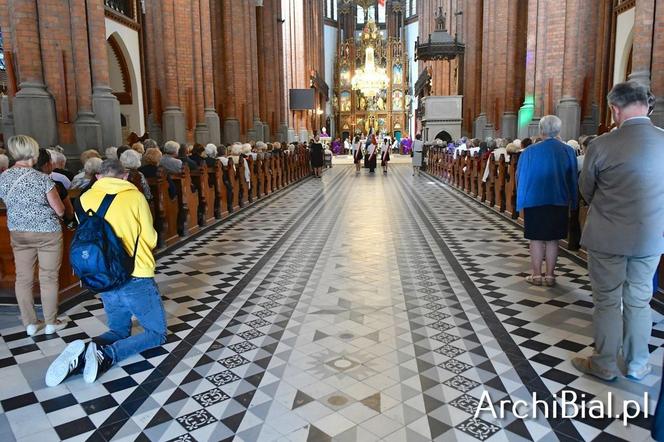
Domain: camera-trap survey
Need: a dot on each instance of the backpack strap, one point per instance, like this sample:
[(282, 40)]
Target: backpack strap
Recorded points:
[(105, 204), (78, 208)]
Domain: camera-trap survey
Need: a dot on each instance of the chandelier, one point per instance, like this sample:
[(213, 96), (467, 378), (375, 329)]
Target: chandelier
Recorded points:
[(369, 79)]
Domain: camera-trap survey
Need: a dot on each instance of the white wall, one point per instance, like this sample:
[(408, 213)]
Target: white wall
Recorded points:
[(330, 41), (411, 35), (129, 38), (624, 38)]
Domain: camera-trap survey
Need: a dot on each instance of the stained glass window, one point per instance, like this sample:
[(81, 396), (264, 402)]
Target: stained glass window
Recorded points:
[(2, 53)]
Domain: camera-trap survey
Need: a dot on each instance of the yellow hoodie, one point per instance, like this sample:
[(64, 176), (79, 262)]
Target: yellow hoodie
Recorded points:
[(129, 215)]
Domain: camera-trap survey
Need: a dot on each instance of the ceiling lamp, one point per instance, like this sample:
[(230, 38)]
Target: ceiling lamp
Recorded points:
[(369, 79)]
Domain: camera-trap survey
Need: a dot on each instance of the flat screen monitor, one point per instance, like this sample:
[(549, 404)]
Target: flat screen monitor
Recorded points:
[(302, 99)]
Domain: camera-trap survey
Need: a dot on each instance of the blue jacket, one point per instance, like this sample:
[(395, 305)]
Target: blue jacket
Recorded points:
[(547, 174)]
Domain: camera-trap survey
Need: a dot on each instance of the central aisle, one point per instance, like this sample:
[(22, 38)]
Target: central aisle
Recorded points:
[(355, 308)]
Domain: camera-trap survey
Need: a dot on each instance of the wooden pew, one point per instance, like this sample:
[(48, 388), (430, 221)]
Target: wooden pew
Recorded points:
[(159, 191), (480, 175), (216, 181), (499, 184), (467, 166), (474, 166), (231, 186), (187, 203), (241, 183), (253, 166), (268, 174), (510, 187), (490, 184), (199, 185)]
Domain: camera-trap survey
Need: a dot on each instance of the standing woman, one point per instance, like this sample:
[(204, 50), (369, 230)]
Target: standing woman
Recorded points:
[(316, 153), (385, 156), (33, 211), (357, 153), (371, 154), (546, 189), (416, 153)]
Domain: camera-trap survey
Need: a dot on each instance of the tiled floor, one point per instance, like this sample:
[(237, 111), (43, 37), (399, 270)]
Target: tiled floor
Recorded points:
[(352, 308)]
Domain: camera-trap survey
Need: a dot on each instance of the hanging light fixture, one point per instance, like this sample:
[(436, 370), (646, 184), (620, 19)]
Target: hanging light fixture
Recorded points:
[(370, 79)]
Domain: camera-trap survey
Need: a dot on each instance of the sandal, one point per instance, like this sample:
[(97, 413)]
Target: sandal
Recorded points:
[(550, 281), (534, 279)]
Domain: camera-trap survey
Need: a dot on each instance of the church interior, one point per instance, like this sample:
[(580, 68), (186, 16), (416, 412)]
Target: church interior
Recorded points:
[(302, 295)]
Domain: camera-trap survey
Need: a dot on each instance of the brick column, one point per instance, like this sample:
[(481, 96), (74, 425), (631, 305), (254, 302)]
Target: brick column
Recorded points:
[(33, 107), (642, 47), (104, 103), (569, 108), (233, 56), (201, 133), (173, 123), (482, 120), (657, 63), (152, 29), (87, 128), (211, 117), (527, 110)]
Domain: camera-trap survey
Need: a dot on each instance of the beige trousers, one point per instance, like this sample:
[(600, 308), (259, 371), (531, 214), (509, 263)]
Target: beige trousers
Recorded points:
[(622, 319), (28, 248)]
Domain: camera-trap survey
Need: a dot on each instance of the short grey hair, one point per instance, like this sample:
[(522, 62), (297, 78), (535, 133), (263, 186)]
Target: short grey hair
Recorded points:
[(550, 126), (171, 147), (627, 93), (150, 143), (111, 168), (57, 158), (23, 147), (130, 159), (211, 150), (4, 162), (92, 166), (111, 153)]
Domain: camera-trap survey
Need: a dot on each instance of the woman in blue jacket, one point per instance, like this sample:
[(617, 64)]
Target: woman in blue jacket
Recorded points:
[(546, 189)]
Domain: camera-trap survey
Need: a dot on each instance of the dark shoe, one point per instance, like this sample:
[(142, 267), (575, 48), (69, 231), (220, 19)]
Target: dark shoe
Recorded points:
[(70, 362), (97, 362)]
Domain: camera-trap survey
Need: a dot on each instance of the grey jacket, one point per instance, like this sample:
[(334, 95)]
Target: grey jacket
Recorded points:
[(623, 182)]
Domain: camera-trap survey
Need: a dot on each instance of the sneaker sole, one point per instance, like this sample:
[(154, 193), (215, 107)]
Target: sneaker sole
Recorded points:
[(91, 365), (590, 373), (58, 370)]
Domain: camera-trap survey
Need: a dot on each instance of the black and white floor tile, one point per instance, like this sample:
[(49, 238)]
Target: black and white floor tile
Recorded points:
[(352, 308)]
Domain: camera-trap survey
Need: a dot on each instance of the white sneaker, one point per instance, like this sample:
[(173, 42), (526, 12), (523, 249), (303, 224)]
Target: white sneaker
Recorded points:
[(32, 329), (52, 328)]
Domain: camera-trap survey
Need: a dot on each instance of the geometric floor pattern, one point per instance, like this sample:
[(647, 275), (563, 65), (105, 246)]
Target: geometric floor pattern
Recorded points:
[(351, 308)]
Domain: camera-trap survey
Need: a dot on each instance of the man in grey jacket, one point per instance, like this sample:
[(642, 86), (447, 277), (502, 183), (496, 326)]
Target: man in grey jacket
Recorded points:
[(622, 181)]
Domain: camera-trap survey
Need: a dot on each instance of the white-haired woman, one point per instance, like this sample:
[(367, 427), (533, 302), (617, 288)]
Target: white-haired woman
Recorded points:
[(131, 160), (89, 176), (34, 209), (546, 189)]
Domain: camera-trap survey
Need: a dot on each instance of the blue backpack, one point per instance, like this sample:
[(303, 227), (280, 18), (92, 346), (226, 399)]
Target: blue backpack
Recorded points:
[(97, 254)]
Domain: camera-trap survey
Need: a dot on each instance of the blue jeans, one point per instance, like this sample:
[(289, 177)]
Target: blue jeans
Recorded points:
[(139, 297)]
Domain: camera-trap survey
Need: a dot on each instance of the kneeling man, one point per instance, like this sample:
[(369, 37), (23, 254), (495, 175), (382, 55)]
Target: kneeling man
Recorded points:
[(129, 216)]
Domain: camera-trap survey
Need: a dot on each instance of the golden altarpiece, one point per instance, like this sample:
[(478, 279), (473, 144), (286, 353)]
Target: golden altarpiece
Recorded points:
[(366, 25)]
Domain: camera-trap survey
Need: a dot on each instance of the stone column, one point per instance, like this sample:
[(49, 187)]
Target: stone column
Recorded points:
[(569, 109), (173, 124), (104, 104), (509, 118), (211, 117), (86, 127), (152, 32), (33, 107)]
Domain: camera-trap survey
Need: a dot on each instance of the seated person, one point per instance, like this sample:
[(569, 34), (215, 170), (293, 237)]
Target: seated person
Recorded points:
[(198, 154), (183, 155), (58, 161), (211, 155), (111, 153), (131, 160), (85, 156), (170, 161), (90, 170)]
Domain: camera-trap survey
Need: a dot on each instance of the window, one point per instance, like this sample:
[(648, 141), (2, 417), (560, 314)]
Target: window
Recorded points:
[(360, 14), (411, 8), (331, 9), (381, 13)]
